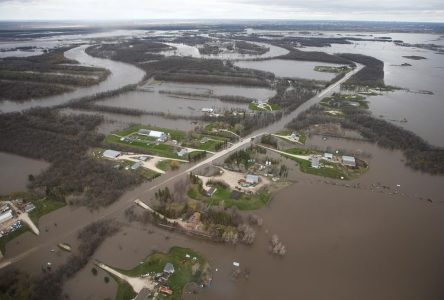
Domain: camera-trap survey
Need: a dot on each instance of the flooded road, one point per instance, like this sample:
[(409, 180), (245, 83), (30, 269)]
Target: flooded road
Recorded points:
[(15, 170), (121, 75)]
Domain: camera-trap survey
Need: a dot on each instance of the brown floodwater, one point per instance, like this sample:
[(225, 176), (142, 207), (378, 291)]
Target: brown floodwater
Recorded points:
[(343, 242), (157, 101), (14, 172)]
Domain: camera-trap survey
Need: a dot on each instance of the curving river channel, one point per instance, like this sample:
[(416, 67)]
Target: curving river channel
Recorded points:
[(121, 75)]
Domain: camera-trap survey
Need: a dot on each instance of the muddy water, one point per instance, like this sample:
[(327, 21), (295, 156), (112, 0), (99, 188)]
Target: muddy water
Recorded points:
[(423, 112), (156, 101), (289, 68), (121, 74), (340, 240), (113, 122), (14, 172)]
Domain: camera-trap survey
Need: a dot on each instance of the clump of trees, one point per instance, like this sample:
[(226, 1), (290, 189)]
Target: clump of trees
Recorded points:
[(23, 78), (372, 75), (64, 142), (276, 246)]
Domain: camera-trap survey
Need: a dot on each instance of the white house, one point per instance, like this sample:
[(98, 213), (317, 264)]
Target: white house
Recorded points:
[(207, 110), (315, 161), (182, 152), (159, 135)]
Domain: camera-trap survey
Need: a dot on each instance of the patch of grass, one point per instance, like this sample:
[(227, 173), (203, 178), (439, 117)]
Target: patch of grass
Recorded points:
[(183, 268), (274, 106), (153, 149), (124, 290), (7, 238), (164, 165), (223, 194), (330, 69), (44, 206), (174, 134), (338, 101)]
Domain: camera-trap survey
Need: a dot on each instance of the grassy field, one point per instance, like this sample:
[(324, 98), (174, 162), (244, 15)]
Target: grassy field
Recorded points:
[(174, 134), (124, 290), (330, 69), (223, 194), (339, 100), (44, 206), (153, 149), (302, 135), (183, 269), (327, 169)]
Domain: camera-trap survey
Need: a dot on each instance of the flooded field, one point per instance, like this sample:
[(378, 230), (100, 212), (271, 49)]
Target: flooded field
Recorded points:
[(170, 98), (15, 170), (115, 122), (290, 68)]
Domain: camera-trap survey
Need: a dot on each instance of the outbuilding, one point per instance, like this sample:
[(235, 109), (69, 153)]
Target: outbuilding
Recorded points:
[(315, 161), (252, 179), (136, 165), (349, 161), (6, 216), (328, 156), (111, 154), (169, 268)]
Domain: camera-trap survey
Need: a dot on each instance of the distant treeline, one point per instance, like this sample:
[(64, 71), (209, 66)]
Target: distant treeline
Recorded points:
[(64, 140), (419, 154), (48, 74), (182, 69)]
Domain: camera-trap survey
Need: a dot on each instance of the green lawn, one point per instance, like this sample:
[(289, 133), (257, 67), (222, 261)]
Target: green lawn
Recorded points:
[(153, 149), (183, 268), (223, 194), (342, 99), (174, 134), (44, 206), (124, 290), (330, 69)]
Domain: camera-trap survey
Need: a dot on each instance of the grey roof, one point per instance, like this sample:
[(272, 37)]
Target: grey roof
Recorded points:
[(169, 268), (348, 158), (136, 165), (252, 178), (111, 153), (143, 294)]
